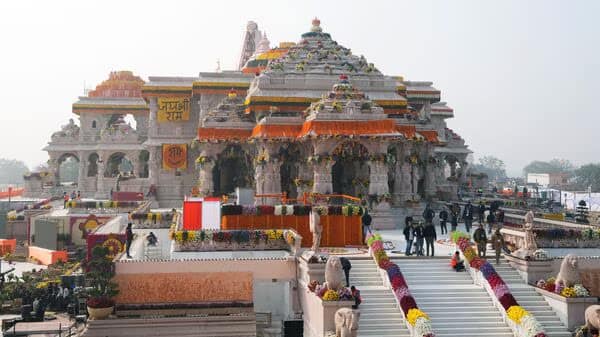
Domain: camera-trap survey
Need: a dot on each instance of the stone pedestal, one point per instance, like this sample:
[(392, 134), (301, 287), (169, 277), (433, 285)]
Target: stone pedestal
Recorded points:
[(319, 315), (571, 311), (530, 270)]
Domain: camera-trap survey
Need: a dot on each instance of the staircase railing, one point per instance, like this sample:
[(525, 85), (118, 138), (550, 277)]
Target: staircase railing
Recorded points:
[(417, 322)]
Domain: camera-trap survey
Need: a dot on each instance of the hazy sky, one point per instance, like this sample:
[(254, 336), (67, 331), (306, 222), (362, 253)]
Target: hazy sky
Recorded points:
[(520, 75)]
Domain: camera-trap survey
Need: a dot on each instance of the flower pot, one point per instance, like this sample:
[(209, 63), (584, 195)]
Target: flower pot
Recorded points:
[(100, 313)]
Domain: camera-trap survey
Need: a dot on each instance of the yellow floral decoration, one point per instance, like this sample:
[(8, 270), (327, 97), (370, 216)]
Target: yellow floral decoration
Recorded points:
[(414, 314), (516, 313), (568, 292), (331, 295)]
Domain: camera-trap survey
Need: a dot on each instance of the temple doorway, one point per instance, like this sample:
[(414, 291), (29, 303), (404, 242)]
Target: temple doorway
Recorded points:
[(68, 169), (118, 165), (233, 169), (289, 171), (92, 170), (350, 173)]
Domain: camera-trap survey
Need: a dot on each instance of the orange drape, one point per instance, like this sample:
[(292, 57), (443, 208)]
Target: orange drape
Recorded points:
[(338, 230)]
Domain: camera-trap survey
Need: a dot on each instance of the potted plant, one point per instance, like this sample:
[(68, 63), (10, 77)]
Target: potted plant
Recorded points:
[(100, 272)]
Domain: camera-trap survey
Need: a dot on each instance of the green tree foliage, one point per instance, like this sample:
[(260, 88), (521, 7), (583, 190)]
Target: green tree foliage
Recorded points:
[(492, 166), (588, 175), (12, 171), (552, 166)]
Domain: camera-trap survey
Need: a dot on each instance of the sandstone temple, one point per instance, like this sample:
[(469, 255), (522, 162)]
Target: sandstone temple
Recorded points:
[(299, 117)]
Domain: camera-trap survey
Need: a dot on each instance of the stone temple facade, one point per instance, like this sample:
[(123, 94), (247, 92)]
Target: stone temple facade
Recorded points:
[(301, 117)]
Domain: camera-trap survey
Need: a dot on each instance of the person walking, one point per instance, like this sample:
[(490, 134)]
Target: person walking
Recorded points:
[(357, 297), (366, 220), (430, 237), (454, 219), (346, 266), (481, 212), (497, 244), (468, 216), (491, 221), (419, 239), (443, 220), (408, 235), (480, 239), (428, 214), (128, 238)]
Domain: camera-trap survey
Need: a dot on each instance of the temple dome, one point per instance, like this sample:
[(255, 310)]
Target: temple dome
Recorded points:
[(119, 84)]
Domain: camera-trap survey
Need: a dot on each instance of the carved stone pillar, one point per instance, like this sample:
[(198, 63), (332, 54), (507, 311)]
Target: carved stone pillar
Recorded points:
[(322, 181), (100, 188), (463, 172), (82, 171), (414, 181), (430, 178), (154, 165), (378, 178), (405, 191), (205, 179), (152, 120), (268, 181)]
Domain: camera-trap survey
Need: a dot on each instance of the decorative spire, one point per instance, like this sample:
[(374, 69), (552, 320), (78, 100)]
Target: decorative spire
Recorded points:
[(263, 44), (316, 26)]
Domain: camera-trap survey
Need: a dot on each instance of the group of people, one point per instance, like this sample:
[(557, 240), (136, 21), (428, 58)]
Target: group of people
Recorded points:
[(73, 196), (417, 234)]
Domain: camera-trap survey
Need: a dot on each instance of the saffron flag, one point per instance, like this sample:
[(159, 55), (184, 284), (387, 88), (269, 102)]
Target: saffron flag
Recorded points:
[(174, 156)]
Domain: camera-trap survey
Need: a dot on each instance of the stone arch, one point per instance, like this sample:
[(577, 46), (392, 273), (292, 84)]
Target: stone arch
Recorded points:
[(67, 169), (350, 173), (92, 170), (117, 163), (233, 168)]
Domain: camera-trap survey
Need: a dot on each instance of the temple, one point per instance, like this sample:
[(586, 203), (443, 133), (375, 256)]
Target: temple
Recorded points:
[(300, 117)]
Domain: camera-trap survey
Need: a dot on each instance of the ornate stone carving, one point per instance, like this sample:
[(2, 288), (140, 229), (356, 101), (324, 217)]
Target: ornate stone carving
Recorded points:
[(378, 178), (322, 176), (592, 317), (68, 132), (569, 273), (334, 275), (346, 322), (205, 179), (316, 229)]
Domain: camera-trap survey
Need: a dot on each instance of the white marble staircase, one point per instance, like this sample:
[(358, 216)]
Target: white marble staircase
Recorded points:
[(456, 306), (379, 314), (532, 301)]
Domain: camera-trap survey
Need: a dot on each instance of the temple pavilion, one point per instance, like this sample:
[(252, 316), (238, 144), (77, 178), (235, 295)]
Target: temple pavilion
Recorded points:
[(300, 117)]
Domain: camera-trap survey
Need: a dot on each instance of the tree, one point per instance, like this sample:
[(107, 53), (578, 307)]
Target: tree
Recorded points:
[(552, 166), (588, 175), (492, 166), (12, 171)]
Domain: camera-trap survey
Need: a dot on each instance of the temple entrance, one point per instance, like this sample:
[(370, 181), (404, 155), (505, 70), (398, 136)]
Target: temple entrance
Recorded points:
[(350, 173), (92, 170), (118, 165), (289, 170), (233, 169), (68, 169)]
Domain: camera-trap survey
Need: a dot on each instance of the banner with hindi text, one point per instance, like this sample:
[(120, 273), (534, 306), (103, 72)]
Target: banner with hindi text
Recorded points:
[(174, 156), (173, 109)]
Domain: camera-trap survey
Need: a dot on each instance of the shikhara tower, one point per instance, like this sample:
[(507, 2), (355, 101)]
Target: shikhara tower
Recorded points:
[(301, 117)]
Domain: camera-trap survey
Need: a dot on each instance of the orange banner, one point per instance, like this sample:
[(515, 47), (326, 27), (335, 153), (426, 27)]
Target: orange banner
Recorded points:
[(174, 156)]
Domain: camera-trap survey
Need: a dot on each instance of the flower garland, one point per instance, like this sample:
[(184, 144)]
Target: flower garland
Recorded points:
[(417, 319), (514, 311)]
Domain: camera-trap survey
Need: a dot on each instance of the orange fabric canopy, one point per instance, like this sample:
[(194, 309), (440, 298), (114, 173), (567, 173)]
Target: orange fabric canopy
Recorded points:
[(276, 131), (223, 134), (430, 135), (408, 131), (347, 128)]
